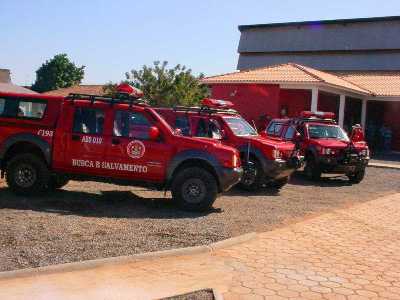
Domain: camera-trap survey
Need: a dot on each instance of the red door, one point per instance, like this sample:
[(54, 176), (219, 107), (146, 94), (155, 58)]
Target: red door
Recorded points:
[(85, 140), (131, 153)]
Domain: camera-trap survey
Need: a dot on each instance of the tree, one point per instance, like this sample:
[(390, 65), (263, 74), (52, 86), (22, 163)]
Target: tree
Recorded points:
[(163, 86), (58, 72)]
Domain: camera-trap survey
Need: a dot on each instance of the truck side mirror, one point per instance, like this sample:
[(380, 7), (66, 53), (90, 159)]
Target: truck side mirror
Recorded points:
[(178, 131), (297, 136), (154, 133)]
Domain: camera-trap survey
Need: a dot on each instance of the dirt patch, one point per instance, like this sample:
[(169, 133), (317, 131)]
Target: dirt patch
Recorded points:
[(197, 295), (92, 220)]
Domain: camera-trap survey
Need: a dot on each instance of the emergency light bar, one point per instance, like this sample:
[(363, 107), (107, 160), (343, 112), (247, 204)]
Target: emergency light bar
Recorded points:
[(214, 103), (127, 89), (317, 114)]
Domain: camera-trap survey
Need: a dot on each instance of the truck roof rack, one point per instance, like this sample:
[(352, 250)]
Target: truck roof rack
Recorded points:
[(316, 120), (119, 98), (205, 110)]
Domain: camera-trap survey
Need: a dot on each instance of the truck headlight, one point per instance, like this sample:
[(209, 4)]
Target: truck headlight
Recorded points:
[(328, 151), (235, 161), (364, 152)]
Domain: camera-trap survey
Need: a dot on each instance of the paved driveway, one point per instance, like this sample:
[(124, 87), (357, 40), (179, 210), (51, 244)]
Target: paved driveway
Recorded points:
[(351, 253)]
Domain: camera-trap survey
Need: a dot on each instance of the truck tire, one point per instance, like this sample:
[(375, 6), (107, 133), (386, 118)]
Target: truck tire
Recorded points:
[(278, 184), (57, 182), (27, 174), (311, 169), (194, 189), (252, 177), (357, 177)]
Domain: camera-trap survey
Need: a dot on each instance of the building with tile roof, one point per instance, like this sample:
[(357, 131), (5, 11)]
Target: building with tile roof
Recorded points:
[(350, 67), (89, 89), (6, 86)]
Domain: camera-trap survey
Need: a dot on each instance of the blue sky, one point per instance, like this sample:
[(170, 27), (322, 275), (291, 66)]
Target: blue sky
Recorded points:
[(112, 37)]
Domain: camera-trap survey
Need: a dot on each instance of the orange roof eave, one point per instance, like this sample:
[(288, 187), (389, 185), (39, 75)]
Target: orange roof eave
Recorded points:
[(310, 83)]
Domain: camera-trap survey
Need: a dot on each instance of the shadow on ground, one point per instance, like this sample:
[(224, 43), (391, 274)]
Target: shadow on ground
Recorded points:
[(325, 181), (110, 204), (126, 204)]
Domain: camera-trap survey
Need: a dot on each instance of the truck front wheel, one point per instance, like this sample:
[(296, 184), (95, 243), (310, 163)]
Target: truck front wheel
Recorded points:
[(194, 189), (278, 184), (311, 169), (252, 177), (357, 177), (27, 174)]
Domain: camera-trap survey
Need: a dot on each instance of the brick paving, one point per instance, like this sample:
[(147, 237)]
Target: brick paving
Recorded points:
[(351, 253)]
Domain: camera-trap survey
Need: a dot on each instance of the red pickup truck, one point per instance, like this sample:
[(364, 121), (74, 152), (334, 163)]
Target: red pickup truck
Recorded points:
[(265, 162), (325, 145), (46, 141)]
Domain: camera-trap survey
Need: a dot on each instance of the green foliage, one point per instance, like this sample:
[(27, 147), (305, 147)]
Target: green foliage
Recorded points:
[(58, 72), (163, 86), (110, 89)]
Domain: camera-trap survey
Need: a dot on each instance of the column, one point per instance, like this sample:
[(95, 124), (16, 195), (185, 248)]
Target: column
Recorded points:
[(314, 99), (364, 113), (342, 105)]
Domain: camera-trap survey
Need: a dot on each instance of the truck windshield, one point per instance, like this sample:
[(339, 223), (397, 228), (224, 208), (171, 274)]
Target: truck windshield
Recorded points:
[(240, 127), (327, 132)]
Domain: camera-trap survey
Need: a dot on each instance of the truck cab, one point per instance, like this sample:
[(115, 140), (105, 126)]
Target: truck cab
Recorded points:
[(46, 141), (265, 162), (325, 145)]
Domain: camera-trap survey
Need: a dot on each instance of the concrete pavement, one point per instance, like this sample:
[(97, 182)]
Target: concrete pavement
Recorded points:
[(351, 253), (384, 164)]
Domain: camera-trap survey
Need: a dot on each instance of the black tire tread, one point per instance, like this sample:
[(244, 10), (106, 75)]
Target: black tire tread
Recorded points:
[(357, 177), (315, 169), (257, 184), (43, 175), (194, 172)]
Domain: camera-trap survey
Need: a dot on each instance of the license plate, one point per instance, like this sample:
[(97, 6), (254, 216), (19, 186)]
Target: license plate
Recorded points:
[(352, 168)]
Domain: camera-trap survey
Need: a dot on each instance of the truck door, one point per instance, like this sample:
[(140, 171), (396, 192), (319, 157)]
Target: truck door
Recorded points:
[(85, 141), (132, 153)]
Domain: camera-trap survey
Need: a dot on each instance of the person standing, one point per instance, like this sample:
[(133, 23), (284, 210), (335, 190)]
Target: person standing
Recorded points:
[(386, 135)]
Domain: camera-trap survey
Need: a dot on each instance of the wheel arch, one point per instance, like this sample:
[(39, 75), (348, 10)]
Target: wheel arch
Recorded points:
[(193, 159), (254, 153), (24, 143)]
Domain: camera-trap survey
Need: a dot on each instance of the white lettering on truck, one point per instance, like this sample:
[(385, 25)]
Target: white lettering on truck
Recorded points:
[(109, 165), (45, 133), (92, 139)]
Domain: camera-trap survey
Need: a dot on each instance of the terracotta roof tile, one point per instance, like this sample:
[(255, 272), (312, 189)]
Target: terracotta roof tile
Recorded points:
[(12, 88), (378, 82), (78, 89), (285, 73)]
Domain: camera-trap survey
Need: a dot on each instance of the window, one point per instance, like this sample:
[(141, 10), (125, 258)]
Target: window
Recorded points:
[(201, 129), (326, 132), (290, 133), (2, 105), (32, 110), (240, 127), (182, 123), (88, 121), (274, 129), (131, 124)]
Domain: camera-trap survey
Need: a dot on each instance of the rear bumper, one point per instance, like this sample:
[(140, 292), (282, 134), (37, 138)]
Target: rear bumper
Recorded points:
[(229, 177), (332, 165), (279, 168)]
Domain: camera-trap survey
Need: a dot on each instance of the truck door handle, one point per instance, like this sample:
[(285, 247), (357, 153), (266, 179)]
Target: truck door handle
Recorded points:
[(75, 137), (115, 141)]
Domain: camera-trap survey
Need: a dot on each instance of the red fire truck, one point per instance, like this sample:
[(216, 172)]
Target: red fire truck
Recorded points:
[(324, 144), (46, 141), (265, 162)]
